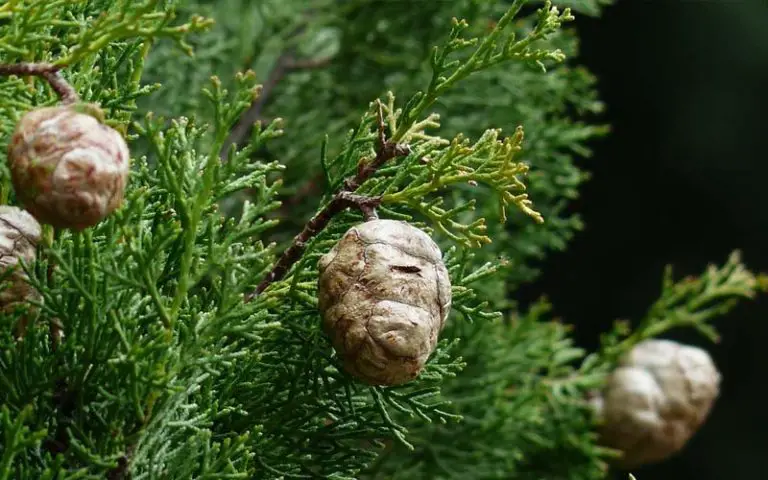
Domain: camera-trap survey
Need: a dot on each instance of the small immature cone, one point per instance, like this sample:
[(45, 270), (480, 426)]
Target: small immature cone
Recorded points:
[(656, 400), (19, 235), (384, 294), (68, 169)]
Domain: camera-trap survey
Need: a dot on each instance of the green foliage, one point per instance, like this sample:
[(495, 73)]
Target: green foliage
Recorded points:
[(522, 395), (693, 302), (164, 371), (516, 424), (488, 161), (17, 438), (102, 43), (395, 56)]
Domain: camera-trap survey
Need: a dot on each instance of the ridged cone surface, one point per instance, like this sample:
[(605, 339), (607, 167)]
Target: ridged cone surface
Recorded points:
[(68, 169), (19, 236), (385, 295), (656, 400)]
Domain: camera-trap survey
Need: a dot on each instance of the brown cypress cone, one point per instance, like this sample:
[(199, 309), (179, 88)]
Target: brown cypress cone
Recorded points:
[(68, 169), (19, 236), (384, 294), (655, 401)]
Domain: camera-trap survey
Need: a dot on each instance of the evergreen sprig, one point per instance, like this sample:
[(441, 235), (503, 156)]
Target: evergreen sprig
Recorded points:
[(145, 298), (489, 161), (495, 48), (693, 302), (17, 438), (395, 57), (408, 132), (87, 27), (538, 383)]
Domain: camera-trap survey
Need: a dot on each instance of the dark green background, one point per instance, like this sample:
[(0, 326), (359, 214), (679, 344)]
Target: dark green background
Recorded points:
[(681, 180)]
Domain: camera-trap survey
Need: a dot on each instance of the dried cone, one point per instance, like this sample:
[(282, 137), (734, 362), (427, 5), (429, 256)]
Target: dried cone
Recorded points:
[(19, 235), (384, 294), (68, 169), (656, 400)]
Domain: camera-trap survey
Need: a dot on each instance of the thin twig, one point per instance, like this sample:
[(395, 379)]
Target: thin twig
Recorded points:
[(367, 205), (341, 200), (62, 87), (51, 73), (283, 66)]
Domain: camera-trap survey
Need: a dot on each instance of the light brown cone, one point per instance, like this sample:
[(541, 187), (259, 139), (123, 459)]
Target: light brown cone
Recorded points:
[(384, 294), (19, 235), (656, 400), (68, 169)]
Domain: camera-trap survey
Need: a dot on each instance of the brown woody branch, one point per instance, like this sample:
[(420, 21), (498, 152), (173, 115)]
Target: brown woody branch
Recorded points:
[(48, 71), (342, 199)]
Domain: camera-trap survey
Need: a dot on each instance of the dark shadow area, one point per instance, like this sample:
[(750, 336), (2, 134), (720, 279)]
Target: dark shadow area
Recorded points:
[(681, 180)]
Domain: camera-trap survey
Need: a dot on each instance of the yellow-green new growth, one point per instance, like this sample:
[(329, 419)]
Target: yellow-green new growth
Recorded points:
[(489, 161)]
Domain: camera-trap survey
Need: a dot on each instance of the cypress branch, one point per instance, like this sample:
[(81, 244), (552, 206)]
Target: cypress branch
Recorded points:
[(50, 72), (386, 151)]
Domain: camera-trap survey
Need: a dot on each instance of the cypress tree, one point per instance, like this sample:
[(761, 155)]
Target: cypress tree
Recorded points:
[(179, 334)]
